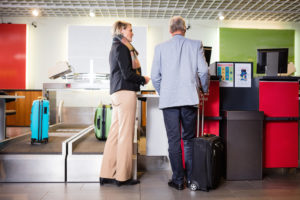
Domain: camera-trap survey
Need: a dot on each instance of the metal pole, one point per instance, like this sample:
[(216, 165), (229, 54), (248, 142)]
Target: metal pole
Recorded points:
[(202, 122)]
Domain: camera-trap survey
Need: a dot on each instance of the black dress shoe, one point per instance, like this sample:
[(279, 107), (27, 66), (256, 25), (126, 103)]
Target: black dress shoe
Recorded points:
[(106, 180), (188, 183), (128, 182), (175, 185)]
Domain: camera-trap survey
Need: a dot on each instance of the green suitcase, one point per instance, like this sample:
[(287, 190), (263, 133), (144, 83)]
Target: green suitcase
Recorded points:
[(102, 121)]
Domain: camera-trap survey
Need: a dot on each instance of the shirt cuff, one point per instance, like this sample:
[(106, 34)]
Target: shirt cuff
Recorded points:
[(143, 80)]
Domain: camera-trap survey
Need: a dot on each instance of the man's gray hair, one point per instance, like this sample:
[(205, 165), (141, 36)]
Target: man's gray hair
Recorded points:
[(177, 23)]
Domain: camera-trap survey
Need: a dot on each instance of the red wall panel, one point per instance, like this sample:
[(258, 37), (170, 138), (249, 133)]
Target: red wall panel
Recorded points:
[(12, 56), (280, 99)]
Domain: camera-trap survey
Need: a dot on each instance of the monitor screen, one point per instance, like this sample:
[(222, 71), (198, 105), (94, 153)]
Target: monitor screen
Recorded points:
[(207, 54), (272, 61)]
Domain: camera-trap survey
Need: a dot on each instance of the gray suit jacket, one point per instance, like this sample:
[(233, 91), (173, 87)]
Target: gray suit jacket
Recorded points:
[(177, 66)]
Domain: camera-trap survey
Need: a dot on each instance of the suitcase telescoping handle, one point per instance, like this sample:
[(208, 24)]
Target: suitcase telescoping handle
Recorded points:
[(103, 122), (202, 116)]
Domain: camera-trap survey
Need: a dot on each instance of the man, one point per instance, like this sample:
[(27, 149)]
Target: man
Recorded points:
[(178, 65)]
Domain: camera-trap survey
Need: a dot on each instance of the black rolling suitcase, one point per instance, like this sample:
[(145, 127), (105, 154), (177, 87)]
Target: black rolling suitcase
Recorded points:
[(208, 159)]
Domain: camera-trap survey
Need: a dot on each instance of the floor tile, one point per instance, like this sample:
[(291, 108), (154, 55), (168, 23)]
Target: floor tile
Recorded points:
[(154, 186)]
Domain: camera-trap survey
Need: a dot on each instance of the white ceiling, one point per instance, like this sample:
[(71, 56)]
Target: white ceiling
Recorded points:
[(261, 10)]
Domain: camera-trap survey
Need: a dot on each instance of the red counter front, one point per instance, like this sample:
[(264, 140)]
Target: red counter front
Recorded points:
[(212, 109), (280, 100)]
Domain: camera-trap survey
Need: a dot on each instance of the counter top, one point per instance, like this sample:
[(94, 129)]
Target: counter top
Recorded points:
[(16, 90), (279, 78), (148, 96), (11, 97)]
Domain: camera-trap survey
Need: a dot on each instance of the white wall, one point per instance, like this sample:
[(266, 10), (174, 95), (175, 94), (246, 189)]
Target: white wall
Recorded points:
[(47, 43)]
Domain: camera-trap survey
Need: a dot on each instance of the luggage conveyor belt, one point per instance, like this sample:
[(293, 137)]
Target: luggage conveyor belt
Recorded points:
[(22, 162)]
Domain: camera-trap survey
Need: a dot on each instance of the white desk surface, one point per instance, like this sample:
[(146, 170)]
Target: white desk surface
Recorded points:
[(11, 97), (148, 95)]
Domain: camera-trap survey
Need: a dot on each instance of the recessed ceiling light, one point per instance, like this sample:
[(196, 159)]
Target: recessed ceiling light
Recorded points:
[(35, 12), (92, 13), (221, 17)]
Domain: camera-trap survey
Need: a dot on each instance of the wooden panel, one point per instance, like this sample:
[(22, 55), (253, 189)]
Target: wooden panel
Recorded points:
[(144, 106), (22, 107), (11, 106)]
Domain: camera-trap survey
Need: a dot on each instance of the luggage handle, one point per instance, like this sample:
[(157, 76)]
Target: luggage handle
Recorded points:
[(202, 117), (41, 98), (103, 122), (42, 120), (39, 122), (98, 122)]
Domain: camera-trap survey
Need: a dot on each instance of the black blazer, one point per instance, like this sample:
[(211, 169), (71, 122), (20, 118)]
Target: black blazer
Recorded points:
[(122, 76)]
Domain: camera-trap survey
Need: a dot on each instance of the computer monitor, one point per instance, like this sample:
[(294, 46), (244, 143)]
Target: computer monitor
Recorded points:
[(272, 61), (207, 54)]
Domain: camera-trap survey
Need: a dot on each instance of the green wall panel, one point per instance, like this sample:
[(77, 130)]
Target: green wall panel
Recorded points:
[(240, 45)]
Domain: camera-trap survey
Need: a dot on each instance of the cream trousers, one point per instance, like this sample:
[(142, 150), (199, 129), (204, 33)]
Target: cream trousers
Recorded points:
[(117, 156)]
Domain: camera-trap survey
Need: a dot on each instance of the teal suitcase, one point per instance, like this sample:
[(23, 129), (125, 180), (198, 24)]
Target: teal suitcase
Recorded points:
[(39, 121), (102, 121)]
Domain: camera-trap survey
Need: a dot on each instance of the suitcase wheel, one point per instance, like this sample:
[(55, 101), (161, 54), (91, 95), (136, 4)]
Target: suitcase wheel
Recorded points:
[(32, 141), (46, 141), (193, 187)]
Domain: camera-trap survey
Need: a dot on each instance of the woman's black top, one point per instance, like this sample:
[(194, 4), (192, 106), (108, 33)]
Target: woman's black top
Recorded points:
[(122, 76)]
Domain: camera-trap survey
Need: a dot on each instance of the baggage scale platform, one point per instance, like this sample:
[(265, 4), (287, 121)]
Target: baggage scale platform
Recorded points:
[(22, 162), (84, 158)]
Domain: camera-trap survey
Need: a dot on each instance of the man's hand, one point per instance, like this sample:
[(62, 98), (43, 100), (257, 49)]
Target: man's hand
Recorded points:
[(206, 93), (147, 79)]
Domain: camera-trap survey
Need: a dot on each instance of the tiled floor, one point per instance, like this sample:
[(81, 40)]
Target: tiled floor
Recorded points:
[(154, 186)]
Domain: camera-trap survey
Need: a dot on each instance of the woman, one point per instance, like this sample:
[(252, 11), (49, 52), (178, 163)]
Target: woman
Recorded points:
[(125, 80)]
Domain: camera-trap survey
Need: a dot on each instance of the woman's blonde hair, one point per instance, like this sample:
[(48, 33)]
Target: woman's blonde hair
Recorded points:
[(118, 26)]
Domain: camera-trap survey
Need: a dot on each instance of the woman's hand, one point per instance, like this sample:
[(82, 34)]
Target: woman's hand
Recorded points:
[(147, 79)]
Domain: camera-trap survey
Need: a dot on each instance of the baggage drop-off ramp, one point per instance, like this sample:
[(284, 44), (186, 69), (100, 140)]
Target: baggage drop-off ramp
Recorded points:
[(22, 162)]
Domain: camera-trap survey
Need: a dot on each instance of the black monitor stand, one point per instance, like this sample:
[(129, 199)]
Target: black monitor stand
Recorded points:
[(272, 64)]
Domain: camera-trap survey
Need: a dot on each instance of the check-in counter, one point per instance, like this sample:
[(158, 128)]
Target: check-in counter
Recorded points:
[(278, 99), (22, 106), (156, 136), (3, 99)]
